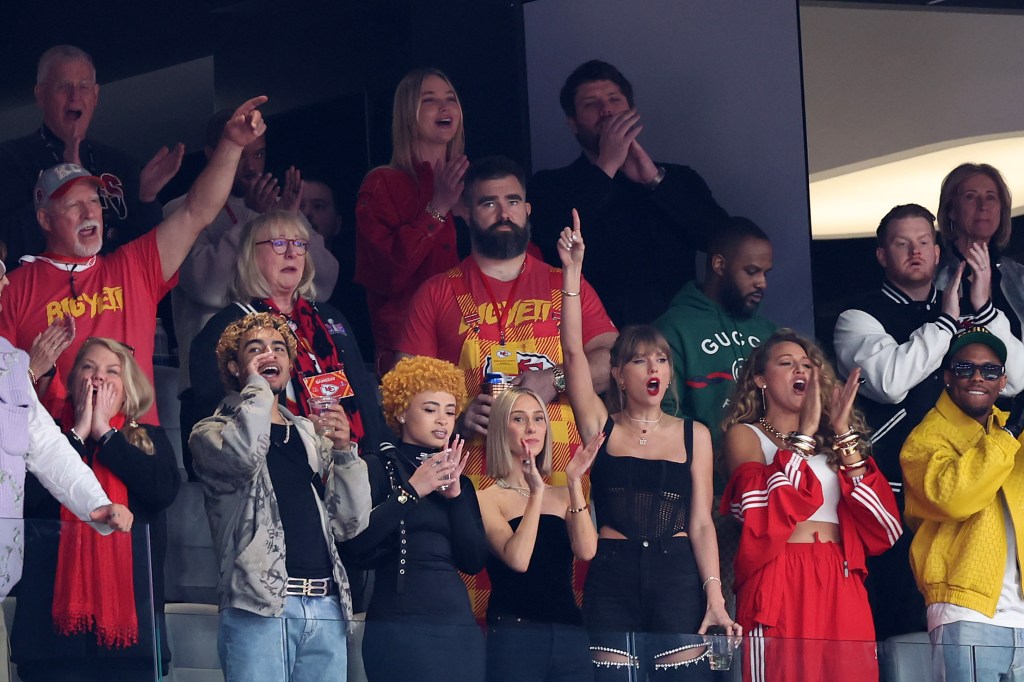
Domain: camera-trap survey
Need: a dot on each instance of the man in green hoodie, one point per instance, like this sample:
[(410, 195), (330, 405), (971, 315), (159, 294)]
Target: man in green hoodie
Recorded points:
[(712, 327)]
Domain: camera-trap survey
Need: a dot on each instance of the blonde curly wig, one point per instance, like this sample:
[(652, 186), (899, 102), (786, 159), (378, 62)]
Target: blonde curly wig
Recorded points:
[(231, 338), (415, 375)]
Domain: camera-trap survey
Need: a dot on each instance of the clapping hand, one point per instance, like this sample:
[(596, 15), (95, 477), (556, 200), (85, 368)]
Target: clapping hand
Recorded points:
[(291, 196), (263, 194), (618, 132), (981, 275), (448, 183), (159, 170), (583, 459), (49, 344), (842, 402)]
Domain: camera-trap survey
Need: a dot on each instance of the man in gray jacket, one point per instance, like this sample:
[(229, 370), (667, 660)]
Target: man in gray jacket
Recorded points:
[(278, 495)]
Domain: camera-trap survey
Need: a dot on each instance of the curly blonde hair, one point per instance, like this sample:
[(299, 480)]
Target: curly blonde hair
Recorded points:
[(747, 405), (231, 339), (415, 375)]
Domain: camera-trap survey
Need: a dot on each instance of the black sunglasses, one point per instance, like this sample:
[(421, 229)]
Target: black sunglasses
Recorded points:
[(966, 370)]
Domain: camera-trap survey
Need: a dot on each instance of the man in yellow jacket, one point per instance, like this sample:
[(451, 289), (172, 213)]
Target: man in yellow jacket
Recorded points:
[(964, 475)]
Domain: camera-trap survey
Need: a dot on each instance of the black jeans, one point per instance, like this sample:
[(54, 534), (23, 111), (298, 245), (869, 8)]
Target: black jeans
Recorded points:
[(643, 599)]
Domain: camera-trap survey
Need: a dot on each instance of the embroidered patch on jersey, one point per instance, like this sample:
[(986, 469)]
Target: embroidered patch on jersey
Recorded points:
[(335, 327)]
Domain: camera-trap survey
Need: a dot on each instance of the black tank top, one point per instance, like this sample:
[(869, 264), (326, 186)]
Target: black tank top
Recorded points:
[(543, 594), (643, 499)]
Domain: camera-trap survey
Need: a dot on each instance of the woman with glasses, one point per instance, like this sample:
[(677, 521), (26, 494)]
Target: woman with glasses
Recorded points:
[(274, 273)]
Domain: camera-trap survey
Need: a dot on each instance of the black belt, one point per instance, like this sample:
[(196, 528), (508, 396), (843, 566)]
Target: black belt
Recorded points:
[(310, 587)]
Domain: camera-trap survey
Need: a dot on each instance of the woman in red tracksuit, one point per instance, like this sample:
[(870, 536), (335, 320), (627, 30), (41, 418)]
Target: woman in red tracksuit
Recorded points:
[(813, 505)]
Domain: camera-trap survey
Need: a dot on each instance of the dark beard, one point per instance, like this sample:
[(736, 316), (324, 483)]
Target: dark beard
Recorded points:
[(589, 142), (490, 243), (734, 302)]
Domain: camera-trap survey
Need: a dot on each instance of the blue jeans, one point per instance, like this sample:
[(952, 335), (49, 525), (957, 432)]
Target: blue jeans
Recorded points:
[(307, 643), (976, 652)]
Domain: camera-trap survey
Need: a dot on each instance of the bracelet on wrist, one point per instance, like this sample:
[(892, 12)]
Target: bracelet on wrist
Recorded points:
[(435, 214), (656, 180), (709, 579), (107, 436), (570, 293), (580, 510), (74, 434), (802, 444), (32, 376), (856, 465), (842, 436)]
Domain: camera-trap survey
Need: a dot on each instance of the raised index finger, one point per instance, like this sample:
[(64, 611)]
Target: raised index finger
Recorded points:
[(249, 106)]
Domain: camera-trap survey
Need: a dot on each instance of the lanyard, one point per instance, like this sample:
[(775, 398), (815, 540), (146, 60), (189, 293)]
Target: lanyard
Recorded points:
[(503, 315), (231, 214)]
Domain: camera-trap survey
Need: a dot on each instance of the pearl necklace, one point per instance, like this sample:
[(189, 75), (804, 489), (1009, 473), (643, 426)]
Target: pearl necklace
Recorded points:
[(772, 431), (505, 485), (643, 421)]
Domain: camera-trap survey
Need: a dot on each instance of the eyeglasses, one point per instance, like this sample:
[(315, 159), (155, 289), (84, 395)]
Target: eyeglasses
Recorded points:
[(68, 87), (966, 370), (280, 246)]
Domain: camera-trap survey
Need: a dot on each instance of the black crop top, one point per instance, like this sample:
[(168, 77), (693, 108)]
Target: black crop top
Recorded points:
[(642, 498)]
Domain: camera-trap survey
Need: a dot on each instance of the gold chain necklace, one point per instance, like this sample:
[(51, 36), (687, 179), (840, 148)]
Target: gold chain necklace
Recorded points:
[(767, 425)]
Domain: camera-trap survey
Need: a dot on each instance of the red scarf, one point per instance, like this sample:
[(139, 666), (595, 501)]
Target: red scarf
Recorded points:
[(316, 354), (95, 586)]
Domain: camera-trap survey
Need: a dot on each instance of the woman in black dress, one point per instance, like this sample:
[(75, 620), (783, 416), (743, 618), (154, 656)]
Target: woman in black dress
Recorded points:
[(535, 530), (425, 527)]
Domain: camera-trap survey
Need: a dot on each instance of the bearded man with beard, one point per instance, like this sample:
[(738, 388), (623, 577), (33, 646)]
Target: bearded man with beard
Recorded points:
[(498, 312), (644, 219), (713, 326)]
